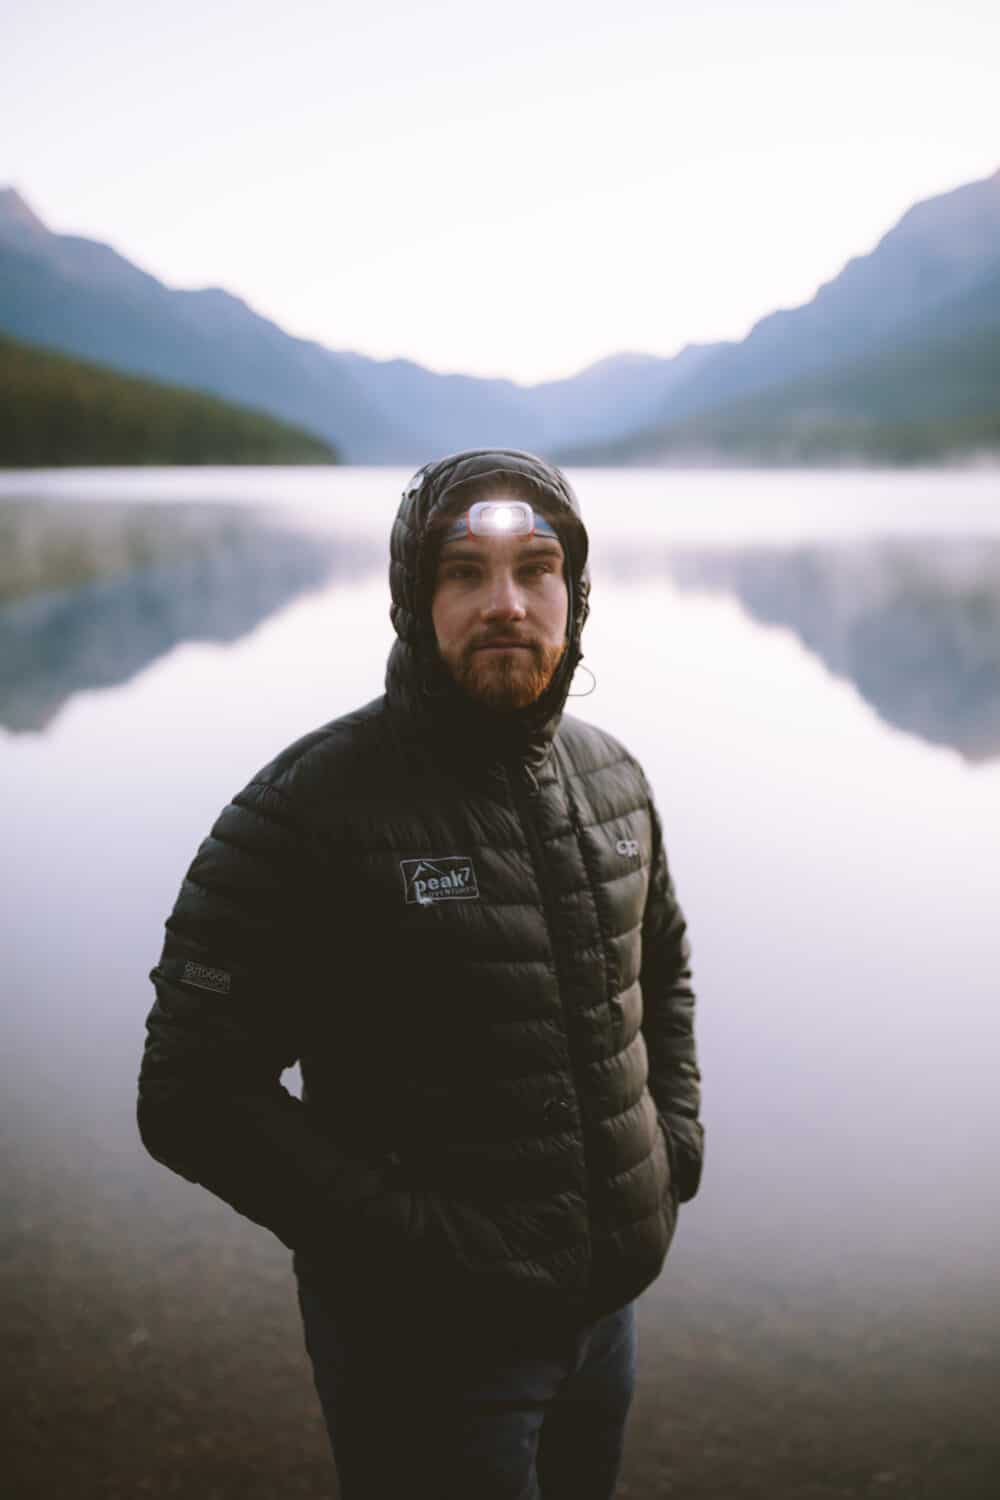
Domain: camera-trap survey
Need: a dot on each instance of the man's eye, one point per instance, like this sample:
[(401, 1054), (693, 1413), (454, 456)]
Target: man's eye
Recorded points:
[(460, 570)]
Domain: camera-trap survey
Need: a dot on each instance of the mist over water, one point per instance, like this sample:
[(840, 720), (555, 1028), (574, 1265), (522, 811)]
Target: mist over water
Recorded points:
[(808, 667)]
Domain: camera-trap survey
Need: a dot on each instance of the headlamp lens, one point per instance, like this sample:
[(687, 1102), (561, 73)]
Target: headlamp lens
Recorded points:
[(501, 518)]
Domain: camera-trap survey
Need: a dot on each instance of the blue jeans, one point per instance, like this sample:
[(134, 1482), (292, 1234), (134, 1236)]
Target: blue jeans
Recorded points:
[(424, 1409)]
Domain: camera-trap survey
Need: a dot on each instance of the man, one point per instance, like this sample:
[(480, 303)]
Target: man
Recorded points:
[(453, 907)]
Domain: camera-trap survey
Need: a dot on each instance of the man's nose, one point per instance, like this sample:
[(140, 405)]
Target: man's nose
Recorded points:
[(504, 600)]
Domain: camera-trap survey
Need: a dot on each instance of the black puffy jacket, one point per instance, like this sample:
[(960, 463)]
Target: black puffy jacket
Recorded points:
[(462, 925)]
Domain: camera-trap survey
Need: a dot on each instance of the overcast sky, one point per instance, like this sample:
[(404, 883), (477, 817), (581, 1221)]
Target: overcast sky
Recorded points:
[(511, 189)]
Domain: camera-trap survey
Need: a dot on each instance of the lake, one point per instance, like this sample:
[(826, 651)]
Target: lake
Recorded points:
[(808, 666)]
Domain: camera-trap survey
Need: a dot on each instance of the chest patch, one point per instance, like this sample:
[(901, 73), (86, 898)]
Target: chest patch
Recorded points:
[(206, 978), (452, 877)]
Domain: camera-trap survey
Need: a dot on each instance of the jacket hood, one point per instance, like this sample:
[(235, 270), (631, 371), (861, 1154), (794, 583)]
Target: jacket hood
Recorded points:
[(417, 679)]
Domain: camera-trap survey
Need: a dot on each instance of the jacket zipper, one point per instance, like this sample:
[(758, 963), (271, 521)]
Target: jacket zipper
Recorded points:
[(524, 787)]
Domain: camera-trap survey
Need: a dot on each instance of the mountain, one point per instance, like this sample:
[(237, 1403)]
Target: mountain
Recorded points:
[(600, 403), (902, 338), (891, 361), (55, 410), (933, 396), (82, 297)]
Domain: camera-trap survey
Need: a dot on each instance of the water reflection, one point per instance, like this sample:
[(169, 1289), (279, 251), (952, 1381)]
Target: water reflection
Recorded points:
[(90, 596), (913, 623)]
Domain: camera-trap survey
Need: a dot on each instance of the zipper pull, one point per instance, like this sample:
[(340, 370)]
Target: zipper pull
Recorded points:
[(520, 774), (526, 776)]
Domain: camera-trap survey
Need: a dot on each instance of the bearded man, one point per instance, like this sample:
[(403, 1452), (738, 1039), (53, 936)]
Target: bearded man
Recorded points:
[(452, 907)]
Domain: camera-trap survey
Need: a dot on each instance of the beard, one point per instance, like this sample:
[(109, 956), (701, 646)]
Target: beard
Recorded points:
[(509, 679)]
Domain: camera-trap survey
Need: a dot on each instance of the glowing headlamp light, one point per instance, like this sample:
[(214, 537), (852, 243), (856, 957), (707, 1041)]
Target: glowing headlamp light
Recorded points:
[(499, 518)]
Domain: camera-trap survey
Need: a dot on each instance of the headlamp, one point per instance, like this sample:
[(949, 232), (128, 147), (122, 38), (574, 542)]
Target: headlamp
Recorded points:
[(499, 518)]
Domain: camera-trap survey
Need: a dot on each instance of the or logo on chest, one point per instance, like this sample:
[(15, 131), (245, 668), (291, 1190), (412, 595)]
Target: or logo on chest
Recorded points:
[(448, 878)]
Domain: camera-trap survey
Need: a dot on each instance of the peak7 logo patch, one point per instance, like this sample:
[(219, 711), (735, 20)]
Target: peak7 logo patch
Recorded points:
[(450, 877)]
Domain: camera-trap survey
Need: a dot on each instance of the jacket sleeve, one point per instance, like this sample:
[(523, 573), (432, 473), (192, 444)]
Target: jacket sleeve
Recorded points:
[(238, 961), (668, 1021)]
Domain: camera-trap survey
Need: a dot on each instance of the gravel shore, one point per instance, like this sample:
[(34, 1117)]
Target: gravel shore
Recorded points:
[(154, 1349)]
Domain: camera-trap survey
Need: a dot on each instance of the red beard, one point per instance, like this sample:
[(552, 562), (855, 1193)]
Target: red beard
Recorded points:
[(508, 679)]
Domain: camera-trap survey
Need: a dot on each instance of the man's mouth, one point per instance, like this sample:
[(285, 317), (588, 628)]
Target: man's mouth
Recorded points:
[(503, 645)]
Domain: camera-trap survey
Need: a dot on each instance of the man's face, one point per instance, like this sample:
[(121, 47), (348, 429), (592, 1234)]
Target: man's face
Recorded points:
[(499, 610)]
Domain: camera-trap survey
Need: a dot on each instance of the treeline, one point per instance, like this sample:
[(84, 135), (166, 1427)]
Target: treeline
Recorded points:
[(56, 411)]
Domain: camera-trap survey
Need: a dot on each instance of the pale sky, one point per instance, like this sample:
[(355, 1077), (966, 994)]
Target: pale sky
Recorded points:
[(510, 189)]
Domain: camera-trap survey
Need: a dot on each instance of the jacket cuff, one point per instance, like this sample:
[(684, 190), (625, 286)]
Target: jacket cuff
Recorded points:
[(685, 1149)]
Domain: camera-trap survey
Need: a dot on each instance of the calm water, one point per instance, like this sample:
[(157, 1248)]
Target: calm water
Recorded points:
[(809, 668)]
